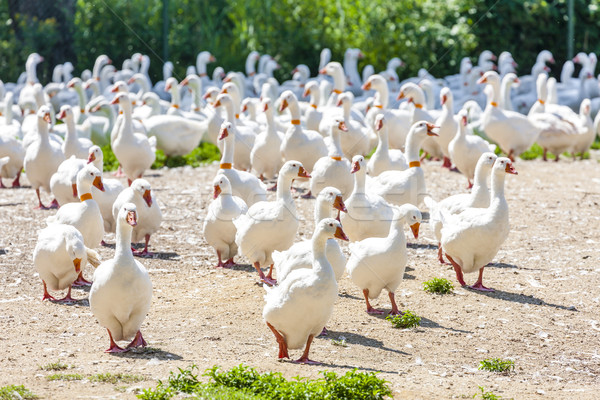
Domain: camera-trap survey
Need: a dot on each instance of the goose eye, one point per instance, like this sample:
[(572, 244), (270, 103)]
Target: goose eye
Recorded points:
[(331, 225)]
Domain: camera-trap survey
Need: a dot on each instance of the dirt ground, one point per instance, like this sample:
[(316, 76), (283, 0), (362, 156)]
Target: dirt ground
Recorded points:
[(544, 314)]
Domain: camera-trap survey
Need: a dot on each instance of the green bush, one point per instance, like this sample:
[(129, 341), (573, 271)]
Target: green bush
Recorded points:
[(16, 392), (497, 365), (438, 285), (407, 320)]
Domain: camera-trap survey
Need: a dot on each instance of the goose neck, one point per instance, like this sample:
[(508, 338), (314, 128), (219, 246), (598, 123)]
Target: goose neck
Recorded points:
[(413, 145), (382, 96), (123, 241), (497, 190), (228, 149), (71, 133), (495, 91), (321, 265), (81, 96), (294, 110), (360, 179), (175, 97), (321, 210), (337, 145), (284, 183)]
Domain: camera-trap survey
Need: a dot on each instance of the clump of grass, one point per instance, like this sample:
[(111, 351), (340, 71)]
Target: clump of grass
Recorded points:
[(16, 392), (64, 377), (56, 366), (406, 320), (245, 383), (497, 365), (116, 378), (110, 160), (438, 285), (339, 342), (486, 395)]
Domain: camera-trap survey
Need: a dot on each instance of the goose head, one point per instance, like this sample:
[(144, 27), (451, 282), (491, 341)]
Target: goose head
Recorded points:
[(171, 84), (324, 58), (221, 185), (486, 161), (511, 79), (332, 68), (380, 122), (66, 113), (339, 126), (358, 164), (151, 99), (192, 80), (128, 214), (288, 97), (295, 169), (76, 251), (218, 75), (301, 73), (226, 130), (412, 92), (490, 77), (375, 81), (422, 128), (123, 100), (332, 196), (95, 153), (345, 100), (120, 87), (462, 118), (545, 56), (141, 188), (43, 114), (310, 88), (90, 176), (266, 105), (223, 99), (585, 107), (74, 83), (504, 165), (410, 214), (330, 228), (211, 95), (446, 97), (205, 57)]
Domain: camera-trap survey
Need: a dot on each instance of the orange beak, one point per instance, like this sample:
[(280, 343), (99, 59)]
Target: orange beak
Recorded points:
[(95, 109), (98, 183), (206, 96), (148, 198), (339, 205), (444, 98), (306, 93), (283, 105), (430, 128), (77, 264), (415, 229), (168, 87), (339, 233), (224, 90), (464, 120), (516, 80), (481, 80), (212, 58), (227, 79), (510, 169), (115, 89), (132, 218), (323, 71), (131, 80), (265, 107), (339, 103), (400, 95), (223, 134), (217, 191), (61, 115), (184, 82), (92, 157), (47, 118), (302, 173), (366, 86), (115, 100), (244, 108), (342, 126), (379, 124), (70, 84), (355, 167), (217, 104)]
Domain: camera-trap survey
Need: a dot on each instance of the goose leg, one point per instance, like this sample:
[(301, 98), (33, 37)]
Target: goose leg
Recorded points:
[(2, 184), (545, 154), (441, 254), (229, 263), (40, 206), (220, 264), (479, 284), (81, 281), (395, 310), (304, 359), (47, 295), (137, 341), (67, 299), (54, 204), (307, 195), (458, 269), (470, 185), (145, 252), (510, 155), (269, 276), (447, 163), (16, 182), (370, 309), (557, 157), (114, 348), (263, 278), (283, 350)]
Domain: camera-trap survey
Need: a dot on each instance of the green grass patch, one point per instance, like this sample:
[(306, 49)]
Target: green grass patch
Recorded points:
[(110, 160), (16, 392), (497, 365), (64, 377), (486, 395), (57, 366), (438, 285), (245, 383), (116, 378), (406, 320), (532, 153)]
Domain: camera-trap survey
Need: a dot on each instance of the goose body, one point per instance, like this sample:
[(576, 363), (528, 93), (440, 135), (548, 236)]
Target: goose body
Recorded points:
[(379, 262), (265, 156), (13, 149), (121, 294), (385, 159), (299, 307), (218, 228)]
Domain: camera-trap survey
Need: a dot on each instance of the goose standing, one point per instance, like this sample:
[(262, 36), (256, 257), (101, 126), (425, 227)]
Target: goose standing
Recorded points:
[(265, 155), (254, 236), (13, 149), (384, 159), (471, 239), (447, 124), (63, 182), (378, 263), (218, 228), (122, 291), (73, 145), (298, 309), (58, 255), (140, 194), (42, 157), (478, 198)]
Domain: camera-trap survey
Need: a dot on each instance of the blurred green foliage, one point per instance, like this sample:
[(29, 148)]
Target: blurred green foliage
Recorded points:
[(424, 33)]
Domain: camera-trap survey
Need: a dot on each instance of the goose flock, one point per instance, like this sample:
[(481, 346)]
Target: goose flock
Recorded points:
[(355, 143)]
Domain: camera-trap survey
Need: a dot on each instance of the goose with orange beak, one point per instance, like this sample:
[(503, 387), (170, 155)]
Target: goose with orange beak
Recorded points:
[(255, 230), (379, 262), (148, 212)]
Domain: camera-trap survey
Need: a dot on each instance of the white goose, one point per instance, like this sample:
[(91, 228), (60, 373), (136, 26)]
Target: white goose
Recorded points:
[(333, 169), (587, 134), (244, 135), (300, 144), (447, 123), (385, 159), (300, 254), (58, 256), (513, 132), (135, 151), (175, 134), (218, 228), (478, 198), (13, 149), (379, 262), (63, 182), (42, 157), (368, 213), (73, 145), (472, 238), (465, 148), (312, 115), (105, 198), (408, 186), (265, 155), (122, 291), (255, 238), (140, 194), (9, 126), (298, 309), (243, 184), (355, 140)]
